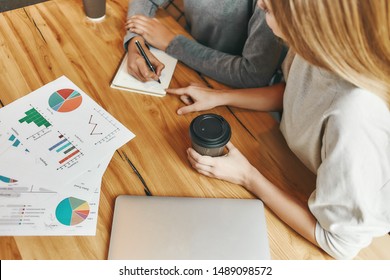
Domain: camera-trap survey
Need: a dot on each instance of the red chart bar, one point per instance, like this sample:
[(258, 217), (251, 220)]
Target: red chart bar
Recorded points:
[(68, 157)]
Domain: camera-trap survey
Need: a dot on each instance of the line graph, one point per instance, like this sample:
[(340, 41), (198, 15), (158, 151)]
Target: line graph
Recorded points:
[(102, 125), (94, 127)]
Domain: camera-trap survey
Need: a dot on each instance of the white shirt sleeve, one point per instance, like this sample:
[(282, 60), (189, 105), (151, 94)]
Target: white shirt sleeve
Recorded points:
[(351, 200)]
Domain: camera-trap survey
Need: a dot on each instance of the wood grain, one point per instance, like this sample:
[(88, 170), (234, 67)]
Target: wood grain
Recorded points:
[(42, 42)]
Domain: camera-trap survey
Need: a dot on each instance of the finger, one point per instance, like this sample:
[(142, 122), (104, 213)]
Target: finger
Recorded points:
[(135, 74), (230, 146), (186, 99), (198, 158), (198, 166), (187, 109), (160, 67), (138, 30), (206, 173), (156, 20), (157, 64), (197, 84), (140, 18), (144, 71), (177, 91), (134, 71)]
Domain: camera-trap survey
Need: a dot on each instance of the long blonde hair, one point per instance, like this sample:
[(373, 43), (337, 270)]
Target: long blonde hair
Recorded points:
[(348, 37)]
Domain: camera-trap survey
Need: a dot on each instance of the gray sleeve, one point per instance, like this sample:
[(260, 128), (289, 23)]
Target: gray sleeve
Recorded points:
[(141, 7), (261, 56)]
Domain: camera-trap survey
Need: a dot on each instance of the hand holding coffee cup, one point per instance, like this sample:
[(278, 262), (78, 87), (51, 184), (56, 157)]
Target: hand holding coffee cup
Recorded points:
[(209, 134)]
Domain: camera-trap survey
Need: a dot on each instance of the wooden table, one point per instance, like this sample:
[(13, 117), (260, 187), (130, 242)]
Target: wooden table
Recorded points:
[(42, 42)]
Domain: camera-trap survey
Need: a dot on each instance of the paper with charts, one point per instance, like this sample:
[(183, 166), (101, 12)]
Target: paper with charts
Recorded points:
[(55, 145)]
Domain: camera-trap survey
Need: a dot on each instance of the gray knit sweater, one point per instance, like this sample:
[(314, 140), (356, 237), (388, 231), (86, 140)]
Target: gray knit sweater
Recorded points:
[(232, 45)]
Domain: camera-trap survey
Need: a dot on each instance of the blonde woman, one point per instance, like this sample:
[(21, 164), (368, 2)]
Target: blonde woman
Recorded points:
[(335, 119)]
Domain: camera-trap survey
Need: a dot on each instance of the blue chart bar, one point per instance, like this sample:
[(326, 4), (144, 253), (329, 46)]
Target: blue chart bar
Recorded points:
[(58, 144), (15, 141), (63, 147)]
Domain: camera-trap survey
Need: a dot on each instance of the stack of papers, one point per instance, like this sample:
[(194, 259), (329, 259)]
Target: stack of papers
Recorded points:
[(55, 145)]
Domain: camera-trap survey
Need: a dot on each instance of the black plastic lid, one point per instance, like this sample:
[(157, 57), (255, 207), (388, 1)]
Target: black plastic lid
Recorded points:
[(210, 131)]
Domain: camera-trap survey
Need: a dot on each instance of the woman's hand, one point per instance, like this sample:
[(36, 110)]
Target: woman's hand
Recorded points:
[(152, 30), (136, 65), (197, 97), (232, 167)]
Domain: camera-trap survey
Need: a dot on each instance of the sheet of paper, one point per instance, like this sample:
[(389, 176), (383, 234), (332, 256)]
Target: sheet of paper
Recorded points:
[(55, 145), (124, 81), (61, 129), (36, 211)]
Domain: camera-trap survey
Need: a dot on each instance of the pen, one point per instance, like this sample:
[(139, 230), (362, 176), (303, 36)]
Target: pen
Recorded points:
[(146, 189), (141, 50)]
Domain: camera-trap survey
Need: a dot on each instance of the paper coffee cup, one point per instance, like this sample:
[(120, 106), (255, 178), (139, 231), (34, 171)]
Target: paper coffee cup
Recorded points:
[(209, 134), (95, 10)]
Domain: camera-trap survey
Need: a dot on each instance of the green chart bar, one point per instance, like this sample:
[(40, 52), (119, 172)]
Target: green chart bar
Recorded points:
[(34, 116)]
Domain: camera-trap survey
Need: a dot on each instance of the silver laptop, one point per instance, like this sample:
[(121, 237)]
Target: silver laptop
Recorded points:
[(181, 228)]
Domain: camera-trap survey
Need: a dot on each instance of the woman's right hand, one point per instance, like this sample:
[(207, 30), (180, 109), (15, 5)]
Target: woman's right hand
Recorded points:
[(136, 65), (197, 97)]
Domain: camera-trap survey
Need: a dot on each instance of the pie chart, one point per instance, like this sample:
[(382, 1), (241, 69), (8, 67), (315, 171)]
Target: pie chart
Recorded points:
[(65, 100), (72, 211)]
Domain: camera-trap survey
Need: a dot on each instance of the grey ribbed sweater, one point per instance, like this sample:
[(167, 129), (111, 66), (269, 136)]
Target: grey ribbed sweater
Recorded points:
[(232, 45)]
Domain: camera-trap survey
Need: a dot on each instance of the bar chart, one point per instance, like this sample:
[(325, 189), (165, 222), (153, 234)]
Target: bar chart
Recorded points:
[(65, 150), (38, 124), (33, 116)]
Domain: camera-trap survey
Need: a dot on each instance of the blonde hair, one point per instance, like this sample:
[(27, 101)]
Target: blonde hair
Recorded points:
[(348, 37)]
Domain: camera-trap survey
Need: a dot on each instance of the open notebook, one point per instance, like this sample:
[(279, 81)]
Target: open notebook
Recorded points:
[(124, 81)]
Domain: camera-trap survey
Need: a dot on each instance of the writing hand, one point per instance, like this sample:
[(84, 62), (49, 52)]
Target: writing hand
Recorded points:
[(152, 30), (136, 65), (197, 98)]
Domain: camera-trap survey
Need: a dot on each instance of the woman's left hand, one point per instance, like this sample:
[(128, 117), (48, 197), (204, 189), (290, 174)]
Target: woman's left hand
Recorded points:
[(152, 30), (232, 167)]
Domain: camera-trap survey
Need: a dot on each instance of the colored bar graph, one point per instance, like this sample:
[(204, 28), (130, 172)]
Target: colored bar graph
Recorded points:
[(64, 148), (34, 116)]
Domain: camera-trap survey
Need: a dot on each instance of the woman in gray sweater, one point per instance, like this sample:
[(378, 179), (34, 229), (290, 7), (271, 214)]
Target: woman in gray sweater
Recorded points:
[(232, 42), (336, 120)]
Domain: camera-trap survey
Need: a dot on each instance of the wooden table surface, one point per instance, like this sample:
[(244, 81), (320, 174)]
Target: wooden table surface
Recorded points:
[(42, 42)]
